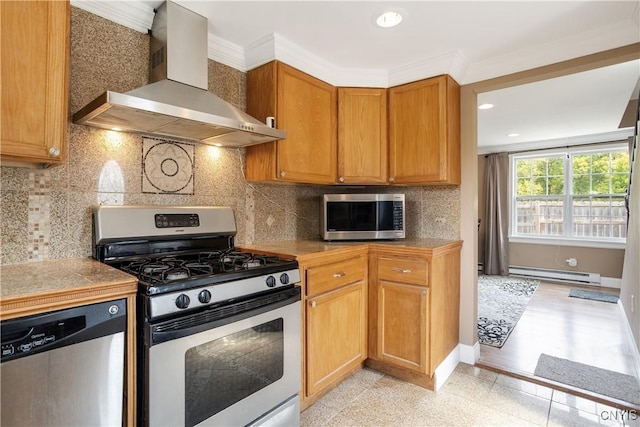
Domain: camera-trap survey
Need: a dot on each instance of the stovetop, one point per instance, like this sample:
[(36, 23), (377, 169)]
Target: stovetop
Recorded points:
[(184, 257), (184, 271)]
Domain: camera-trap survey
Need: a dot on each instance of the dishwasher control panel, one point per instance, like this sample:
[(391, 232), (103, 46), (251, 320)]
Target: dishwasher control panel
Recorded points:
[(24, 336), (28, 339)]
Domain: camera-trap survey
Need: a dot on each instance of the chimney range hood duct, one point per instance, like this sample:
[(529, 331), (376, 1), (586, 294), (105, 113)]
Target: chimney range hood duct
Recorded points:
[(176, 104)]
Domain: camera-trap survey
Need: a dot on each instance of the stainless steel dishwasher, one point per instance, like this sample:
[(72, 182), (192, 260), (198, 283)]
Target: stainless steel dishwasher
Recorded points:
[(64, 368)]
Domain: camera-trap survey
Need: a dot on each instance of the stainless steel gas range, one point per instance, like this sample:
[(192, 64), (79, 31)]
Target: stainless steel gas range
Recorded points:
[(218, 329)]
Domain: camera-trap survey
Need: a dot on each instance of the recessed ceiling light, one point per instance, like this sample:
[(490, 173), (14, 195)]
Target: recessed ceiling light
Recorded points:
[(512, 134), (389, 19), (485, 106)]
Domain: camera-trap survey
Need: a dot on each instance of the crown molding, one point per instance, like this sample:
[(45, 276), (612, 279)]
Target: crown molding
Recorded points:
[(585, 43), (227, 53), (453, 63), (260, 52), (135, 15), (275, 46)]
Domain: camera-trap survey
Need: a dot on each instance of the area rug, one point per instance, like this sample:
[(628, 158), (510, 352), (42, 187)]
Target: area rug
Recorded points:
[(501, 302), (602, 381), (593, 295)]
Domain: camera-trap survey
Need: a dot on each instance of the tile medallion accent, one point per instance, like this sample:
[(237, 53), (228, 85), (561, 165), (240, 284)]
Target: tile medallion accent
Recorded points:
[(167, 167)]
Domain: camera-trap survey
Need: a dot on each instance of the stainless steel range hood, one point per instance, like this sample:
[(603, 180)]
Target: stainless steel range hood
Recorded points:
[(176, 104)]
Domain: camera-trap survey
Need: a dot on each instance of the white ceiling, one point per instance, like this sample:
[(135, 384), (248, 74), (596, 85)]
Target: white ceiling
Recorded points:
[(574, 109), (471, 40)]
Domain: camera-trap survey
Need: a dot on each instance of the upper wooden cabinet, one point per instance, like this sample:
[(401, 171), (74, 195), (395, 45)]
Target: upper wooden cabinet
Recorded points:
[(362, 136), (407, 134), (424, 132), (34, 64), (304, 107)]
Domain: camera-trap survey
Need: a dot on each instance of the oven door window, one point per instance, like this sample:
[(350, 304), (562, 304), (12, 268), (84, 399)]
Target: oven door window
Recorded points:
[(224, 371)]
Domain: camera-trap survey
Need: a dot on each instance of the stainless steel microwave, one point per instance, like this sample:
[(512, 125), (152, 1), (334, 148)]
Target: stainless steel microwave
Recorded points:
[(362, 216)]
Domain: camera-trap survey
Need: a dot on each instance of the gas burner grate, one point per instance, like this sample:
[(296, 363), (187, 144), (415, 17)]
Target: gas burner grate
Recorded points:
[(174, 268)]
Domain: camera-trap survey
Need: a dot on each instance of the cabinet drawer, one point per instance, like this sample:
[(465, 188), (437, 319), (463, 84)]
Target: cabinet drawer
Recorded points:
[(327, 277), (409, 270)]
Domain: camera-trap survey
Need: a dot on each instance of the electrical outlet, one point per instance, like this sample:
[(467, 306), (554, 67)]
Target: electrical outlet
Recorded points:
[(441, 220)]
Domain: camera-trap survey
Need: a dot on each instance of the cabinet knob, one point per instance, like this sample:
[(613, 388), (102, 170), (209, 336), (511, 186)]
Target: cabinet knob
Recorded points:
[(401, 270), (54, 151), (424, 292), (341, 179), (313, 304), (391, 179), (282, 173), (339, 275)]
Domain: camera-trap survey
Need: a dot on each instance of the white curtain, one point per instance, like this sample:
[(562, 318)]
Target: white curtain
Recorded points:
[(496, 214)]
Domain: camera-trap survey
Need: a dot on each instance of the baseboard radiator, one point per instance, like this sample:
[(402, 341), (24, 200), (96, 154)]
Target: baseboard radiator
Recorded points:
[(556, 275)]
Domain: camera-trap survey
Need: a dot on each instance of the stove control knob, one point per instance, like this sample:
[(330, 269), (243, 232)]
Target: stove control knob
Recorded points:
[(204, 296), (284, 278), (182, 301), (271, 281)]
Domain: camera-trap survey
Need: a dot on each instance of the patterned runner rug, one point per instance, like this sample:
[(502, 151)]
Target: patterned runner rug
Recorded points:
[(501, 302)]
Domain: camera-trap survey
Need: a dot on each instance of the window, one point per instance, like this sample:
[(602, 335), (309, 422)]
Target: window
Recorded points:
[(574, 194)]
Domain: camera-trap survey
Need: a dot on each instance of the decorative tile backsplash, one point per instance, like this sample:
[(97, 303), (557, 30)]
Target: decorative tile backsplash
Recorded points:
[(46, 214), (39, 225)]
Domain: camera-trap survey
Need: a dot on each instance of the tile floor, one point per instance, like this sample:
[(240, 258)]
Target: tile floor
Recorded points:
[(470, 397)]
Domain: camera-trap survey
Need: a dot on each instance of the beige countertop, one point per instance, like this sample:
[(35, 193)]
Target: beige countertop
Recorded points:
[(37, 286), (300, 248)]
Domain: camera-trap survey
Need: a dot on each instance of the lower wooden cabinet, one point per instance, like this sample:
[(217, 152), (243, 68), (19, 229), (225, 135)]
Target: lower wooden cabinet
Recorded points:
[(403, 325), (392, 307), (336, 334), (414, 305), (335, 319)]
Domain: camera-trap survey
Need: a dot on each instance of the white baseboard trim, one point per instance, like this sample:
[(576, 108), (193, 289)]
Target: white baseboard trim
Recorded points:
[(446, 368), (635, 352), (610, 282), (461, 353), (469, 354)]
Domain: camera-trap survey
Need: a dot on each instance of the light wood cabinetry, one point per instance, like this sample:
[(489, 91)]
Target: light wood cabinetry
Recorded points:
[(408, 134), (362, 136), (403, 325), (304, 107), (424, 132), (34, 69), (414, 301), (335, 318)]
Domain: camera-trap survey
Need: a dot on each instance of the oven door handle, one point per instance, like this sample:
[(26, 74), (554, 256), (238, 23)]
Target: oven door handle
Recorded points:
[(198, 322)]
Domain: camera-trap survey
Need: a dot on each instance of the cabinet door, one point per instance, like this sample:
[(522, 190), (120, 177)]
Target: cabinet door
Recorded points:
[(362, 136), (307, 111), (403, 325), (336, 335), (34, 75), (424, 132)]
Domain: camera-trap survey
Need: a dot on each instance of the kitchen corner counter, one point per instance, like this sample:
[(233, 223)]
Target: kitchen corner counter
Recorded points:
[(303, 248), (37, 287)]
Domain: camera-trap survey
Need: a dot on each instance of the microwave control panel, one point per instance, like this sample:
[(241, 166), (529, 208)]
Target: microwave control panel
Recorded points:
[(398, 215)]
